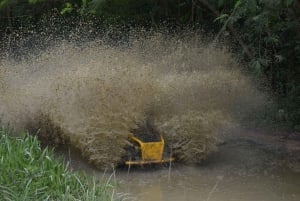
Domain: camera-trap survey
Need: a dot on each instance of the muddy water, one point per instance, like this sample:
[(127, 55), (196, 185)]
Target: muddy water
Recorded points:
[(196, 183), (241, 170)]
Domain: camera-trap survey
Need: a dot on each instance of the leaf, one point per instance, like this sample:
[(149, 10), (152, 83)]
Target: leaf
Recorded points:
[(237, 4), (67, 9), (279, 58), (3, 3), (221, 17), (272, 39), (288, 2), (256, 66), (34, 1), (220, 3), (257, 17)]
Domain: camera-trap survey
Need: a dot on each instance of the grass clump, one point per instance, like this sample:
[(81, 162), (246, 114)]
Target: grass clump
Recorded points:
[(28, 172)]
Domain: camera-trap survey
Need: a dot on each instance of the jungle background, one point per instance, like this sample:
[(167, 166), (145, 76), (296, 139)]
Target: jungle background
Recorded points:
[(265, 35)]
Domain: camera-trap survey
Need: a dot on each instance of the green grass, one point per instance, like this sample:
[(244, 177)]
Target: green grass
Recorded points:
[(28, 172)]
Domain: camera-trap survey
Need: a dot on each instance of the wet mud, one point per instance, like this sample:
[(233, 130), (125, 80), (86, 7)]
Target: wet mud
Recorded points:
[(249, 165)]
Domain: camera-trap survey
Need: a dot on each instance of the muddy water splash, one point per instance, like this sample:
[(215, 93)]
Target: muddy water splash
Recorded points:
[(94, 95)]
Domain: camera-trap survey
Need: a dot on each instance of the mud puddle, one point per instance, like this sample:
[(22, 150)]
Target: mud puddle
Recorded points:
[(198, 183), (242, 169)]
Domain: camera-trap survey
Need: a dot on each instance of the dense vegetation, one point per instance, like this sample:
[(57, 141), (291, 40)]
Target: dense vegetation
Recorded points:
[(28, 172), (264, 34)]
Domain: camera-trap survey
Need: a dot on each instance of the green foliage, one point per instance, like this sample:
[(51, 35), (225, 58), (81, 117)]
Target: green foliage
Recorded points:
[(270, 30), (288, 2), (35, 1), (124, 11), (28, 172), (68, 8)]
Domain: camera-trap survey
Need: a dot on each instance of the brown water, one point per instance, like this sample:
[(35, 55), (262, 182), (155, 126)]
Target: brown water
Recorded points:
[(198, 183), (241, 170)]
